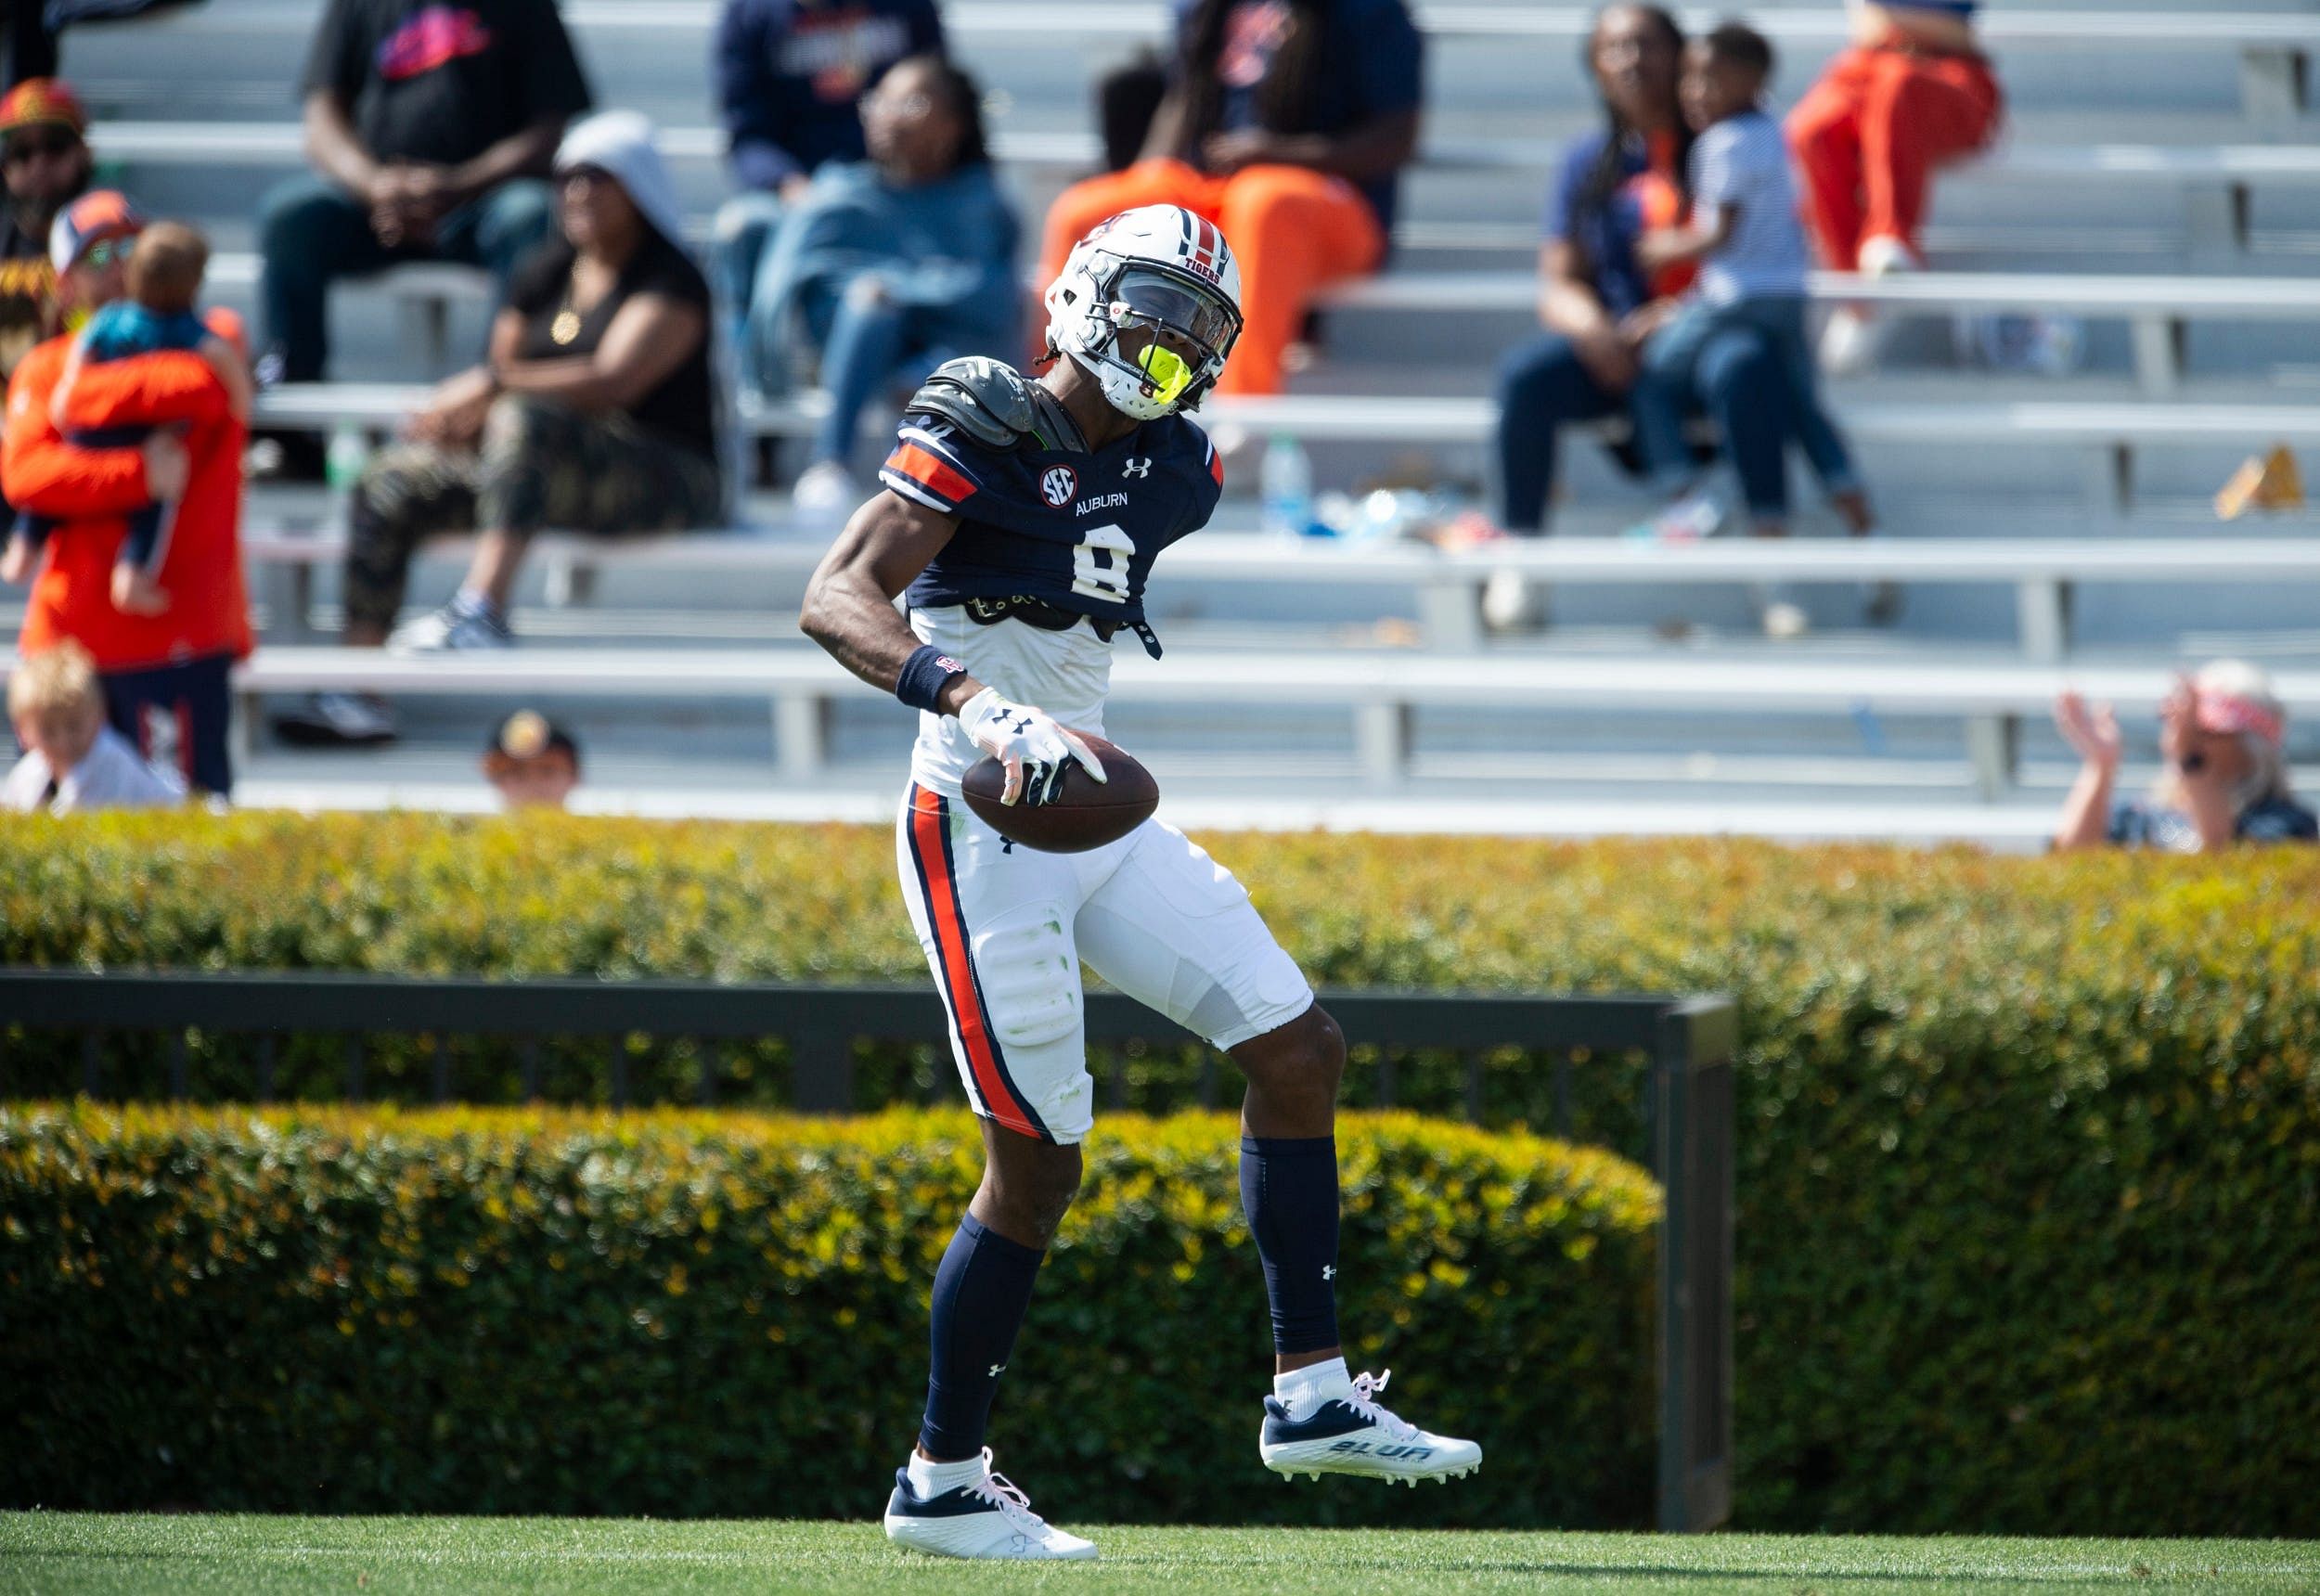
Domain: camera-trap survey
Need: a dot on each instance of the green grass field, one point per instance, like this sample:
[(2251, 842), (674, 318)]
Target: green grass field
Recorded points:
[(71, 1552)]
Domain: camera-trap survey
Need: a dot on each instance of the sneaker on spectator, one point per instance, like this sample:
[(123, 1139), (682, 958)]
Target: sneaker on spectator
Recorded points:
[(825, 493), (1512, 602), (284, 458), (1687, 520), (1784, 622), (359, 720), (1853, 336), (463, 624)]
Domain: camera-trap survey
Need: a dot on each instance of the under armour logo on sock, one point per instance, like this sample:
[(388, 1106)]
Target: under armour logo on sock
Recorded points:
[(998, 1370), (1329, 1272)]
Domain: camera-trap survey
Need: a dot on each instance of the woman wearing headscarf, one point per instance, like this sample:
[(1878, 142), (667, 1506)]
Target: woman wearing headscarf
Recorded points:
[(1286, 123), (887, 268), (595, 411), (2222, 738)]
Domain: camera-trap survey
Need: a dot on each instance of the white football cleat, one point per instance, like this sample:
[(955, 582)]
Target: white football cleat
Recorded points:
[(989, 1516), (1347, 1433)]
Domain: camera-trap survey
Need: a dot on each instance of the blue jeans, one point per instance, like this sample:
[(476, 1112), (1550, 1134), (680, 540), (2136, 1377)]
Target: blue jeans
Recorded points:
[(1543, 387), (312, 232), (744, 228), (1672, 368), (868, 349)]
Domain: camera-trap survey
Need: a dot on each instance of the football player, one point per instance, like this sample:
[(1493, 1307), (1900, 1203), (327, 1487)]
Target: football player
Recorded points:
[(1019, 522)]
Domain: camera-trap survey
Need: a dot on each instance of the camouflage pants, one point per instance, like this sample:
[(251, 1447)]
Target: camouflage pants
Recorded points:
[(540, 465)]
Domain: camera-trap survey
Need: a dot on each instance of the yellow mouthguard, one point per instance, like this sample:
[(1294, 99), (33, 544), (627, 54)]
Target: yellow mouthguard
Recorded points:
[(1170, 375)]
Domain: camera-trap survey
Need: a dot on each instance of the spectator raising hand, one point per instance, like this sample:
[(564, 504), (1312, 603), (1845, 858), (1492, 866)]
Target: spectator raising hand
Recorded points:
[(2224, 776)]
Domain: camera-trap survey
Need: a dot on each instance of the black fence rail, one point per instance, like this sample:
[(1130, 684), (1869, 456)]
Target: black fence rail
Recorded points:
[(1687, 1044)]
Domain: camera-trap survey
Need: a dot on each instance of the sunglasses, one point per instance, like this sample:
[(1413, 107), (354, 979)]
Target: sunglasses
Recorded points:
[(105, 251), (28, 147)]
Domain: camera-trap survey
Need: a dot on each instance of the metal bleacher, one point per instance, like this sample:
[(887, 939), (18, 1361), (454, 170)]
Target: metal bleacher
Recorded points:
[(2159, 179)]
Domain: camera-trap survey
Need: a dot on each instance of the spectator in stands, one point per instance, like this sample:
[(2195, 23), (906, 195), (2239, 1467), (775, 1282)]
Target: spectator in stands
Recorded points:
[(73, 762), (165, 675), (791, 76), (2223, 734), (1744, 239), (30, 41), (44, 157), (1287, 124), (159, 311), (1913, 93), (890, 266), (532, 762), (1600, 307), (428, 127), (594, 411)]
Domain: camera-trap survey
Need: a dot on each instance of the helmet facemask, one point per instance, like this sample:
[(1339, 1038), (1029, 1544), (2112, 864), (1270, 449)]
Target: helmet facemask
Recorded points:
[(1153, 337)]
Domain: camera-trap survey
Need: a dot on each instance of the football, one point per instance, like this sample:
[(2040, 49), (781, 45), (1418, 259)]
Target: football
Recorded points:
[(1086, 814)]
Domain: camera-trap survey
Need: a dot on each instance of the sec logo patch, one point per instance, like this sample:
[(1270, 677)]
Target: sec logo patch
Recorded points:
[(1058, 485)]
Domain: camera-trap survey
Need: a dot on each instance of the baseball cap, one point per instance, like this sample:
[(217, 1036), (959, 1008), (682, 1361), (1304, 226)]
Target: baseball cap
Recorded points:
[(528, 734), (101, 214), (41, 102)]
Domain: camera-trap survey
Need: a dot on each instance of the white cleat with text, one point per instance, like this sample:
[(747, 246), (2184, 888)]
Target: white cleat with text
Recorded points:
[(988, 1516), (1345, 1431)]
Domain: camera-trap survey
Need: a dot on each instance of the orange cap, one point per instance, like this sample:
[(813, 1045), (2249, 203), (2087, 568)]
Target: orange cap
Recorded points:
[(41, 102)]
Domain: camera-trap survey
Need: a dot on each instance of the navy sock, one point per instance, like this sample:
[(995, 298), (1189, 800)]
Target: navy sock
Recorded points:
[(1289, 1186), (981, 1290)]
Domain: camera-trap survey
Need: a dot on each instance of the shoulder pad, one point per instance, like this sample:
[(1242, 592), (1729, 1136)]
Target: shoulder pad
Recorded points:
[(986, 399)]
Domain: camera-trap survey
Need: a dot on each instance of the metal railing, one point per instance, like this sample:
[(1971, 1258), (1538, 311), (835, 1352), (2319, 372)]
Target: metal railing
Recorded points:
[(1687, 1042)]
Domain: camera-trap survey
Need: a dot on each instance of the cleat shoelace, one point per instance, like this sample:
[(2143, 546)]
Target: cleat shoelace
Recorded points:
[(1364, 1402), (1005, 1495)]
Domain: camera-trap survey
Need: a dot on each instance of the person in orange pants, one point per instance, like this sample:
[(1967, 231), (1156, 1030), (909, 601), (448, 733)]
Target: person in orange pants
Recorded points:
[(1913, 94), (1285, 124), (1910, 96)]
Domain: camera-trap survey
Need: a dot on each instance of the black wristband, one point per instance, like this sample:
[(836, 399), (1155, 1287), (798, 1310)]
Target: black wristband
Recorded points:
[(924, 674)]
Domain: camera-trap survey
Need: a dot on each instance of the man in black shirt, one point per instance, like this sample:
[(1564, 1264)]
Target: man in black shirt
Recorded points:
[(431, 124)]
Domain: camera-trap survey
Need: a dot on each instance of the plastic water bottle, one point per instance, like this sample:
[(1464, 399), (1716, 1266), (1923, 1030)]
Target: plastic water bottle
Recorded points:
[(342, 467), (1284, 488)]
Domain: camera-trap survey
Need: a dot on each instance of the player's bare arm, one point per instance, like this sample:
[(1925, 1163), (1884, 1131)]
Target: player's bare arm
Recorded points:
[(849, 606), (849, 609)]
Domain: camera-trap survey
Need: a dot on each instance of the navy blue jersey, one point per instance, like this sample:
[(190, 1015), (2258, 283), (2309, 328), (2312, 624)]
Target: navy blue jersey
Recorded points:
[(1080, 531)]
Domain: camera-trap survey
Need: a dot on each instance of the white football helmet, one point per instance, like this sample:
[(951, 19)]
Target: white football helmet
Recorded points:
[(1162, 271)]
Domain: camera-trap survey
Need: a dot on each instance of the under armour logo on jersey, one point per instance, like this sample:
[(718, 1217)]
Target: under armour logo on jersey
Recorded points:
[(1058, 485), (998, 1370), (1329, 1272), (1136, 467)]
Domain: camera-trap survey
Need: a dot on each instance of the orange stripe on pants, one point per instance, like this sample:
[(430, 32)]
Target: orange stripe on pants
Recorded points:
[(1294, 232), (927, 840), (1869, 133)]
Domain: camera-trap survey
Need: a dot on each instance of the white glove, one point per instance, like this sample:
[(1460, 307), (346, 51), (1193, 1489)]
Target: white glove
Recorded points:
[(1029, 743)]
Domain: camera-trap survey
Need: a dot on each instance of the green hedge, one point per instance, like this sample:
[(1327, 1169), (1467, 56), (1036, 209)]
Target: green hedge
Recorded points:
[(2029, 1148), (503, 1312)]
